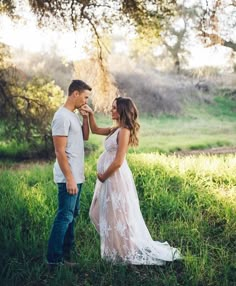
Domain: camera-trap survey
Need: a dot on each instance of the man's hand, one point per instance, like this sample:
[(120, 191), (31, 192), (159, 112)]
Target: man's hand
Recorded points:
[(71, 187)]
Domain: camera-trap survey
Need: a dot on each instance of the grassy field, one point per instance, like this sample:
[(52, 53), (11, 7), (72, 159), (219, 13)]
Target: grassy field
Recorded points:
[(198, 127), (190, 202)]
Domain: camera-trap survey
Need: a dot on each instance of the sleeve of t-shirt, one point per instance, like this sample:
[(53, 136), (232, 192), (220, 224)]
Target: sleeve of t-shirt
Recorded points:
[(60, 126)]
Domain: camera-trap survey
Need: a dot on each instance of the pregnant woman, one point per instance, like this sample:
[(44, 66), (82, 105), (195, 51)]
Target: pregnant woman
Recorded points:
[(115, 210)]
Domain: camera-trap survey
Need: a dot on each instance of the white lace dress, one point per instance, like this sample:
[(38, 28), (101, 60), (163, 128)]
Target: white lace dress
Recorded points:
[(116, 214)]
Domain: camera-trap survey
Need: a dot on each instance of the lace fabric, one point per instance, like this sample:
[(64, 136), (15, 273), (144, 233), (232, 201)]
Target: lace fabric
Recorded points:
[(116, 215)]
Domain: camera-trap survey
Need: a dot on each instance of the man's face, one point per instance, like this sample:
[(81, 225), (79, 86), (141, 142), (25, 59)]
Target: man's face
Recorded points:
[(82, 98)]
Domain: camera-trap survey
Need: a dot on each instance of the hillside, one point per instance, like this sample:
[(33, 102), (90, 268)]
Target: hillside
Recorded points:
[(158, 93), (193, 115)]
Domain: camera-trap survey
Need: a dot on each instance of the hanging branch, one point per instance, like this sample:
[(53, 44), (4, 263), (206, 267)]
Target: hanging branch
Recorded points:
[(209, 27)]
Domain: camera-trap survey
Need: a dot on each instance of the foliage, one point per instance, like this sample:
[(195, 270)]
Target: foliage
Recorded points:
[(173, 38), (190, 202), (204, 72), (147, 16), (104, 87), (144, 14), (214, 26), (27, 106), (48, 64), (7, 7), (155, 93), (205, 21), (4, 56), (98, 15), (201, 121)]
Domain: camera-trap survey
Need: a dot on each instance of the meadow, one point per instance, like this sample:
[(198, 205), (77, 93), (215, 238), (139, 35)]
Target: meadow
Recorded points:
[(189, 201), (198, 127)]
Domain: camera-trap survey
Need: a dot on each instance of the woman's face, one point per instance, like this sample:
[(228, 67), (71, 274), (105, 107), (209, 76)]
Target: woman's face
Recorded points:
[(114, 114)]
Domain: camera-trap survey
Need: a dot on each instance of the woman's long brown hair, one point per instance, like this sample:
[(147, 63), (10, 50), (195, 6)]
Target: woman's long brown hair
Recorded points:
[(128, 117)]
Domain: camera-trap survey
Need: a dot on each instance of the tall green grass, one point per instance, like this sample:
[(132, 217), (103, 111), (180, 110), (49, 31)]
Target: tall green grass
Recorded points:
[(190, 202)]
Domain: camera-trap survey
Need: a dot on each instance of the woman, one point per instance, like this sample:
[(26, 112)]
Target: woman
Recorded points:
[(115, 209)]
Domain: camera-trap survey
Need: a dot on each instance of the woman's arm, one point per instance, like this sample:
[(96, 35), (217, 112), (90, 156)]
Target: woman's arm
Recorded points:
[(123, 144), (85, 125), (93, 125), (85, 128), (95, 129)]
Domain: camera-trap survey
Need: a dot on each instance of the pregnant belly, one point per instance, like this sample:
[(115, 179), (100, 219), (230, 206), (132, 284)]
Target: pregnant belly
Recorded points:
[(105, 161)]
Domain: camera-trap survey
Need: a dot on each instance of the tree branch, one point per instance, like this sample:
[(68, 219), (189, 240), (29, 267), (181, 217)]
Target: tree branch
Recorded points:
[(218, 40)]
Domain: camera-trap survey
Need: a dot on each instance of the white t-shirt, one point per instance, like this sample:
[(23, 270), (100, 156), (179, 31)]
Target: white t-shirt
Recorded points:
[(67, 123)]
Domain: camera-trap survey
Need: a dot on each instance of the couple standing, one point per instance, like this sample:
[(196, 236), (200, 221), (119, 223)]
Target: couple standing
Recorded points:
[(114, 210)]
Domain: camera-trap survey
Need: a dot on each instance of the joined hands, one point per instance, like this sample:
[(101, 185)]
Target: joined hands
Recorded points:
[(85, 110)]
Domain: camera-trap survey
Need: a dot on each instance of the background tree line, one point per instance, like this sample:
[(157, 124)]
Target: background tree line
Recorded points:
[(29, 97)]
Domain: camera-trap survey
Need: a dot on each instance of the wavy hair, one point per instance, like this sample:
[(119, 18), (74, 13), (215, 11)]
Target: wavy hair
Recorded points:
[(128, 117)]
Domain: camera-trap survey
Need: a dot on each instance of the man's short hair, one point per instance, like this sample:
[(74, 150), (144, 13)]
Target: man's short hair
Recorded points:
[(78, 85)]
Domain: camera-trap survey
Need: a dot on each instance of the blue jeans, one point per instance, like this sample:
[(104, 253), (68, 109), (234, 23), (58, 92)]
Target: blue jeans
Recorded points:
[(62, 237)]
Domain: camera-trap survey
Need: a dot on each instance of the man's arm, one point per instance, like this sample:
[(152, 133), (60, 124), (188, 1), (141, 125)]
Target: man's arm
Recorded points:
[(60, 151)]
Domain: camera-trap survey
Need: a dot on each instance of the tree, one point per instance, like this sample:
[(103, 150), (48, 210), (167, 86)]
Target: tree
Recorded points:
[(104, 85), (147, 16), (173, 41), (176, 34), (7, 7), (218, 23), (99, 15), (39, 64), (27, 104)]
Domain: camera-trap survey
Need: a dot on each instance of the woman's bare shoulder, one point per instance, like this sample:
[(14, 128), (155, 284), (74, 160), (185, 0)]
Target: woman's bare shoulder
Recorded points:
[(124, 130)]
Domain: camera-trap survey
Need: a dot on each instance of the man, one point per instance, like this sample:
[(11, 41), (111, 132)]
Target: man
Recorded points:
[(68, 136)]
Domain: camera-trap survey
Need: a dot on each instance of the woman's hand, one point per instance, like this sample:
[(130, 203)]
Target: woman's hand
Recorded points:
[(86, 108), (101, 178)]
